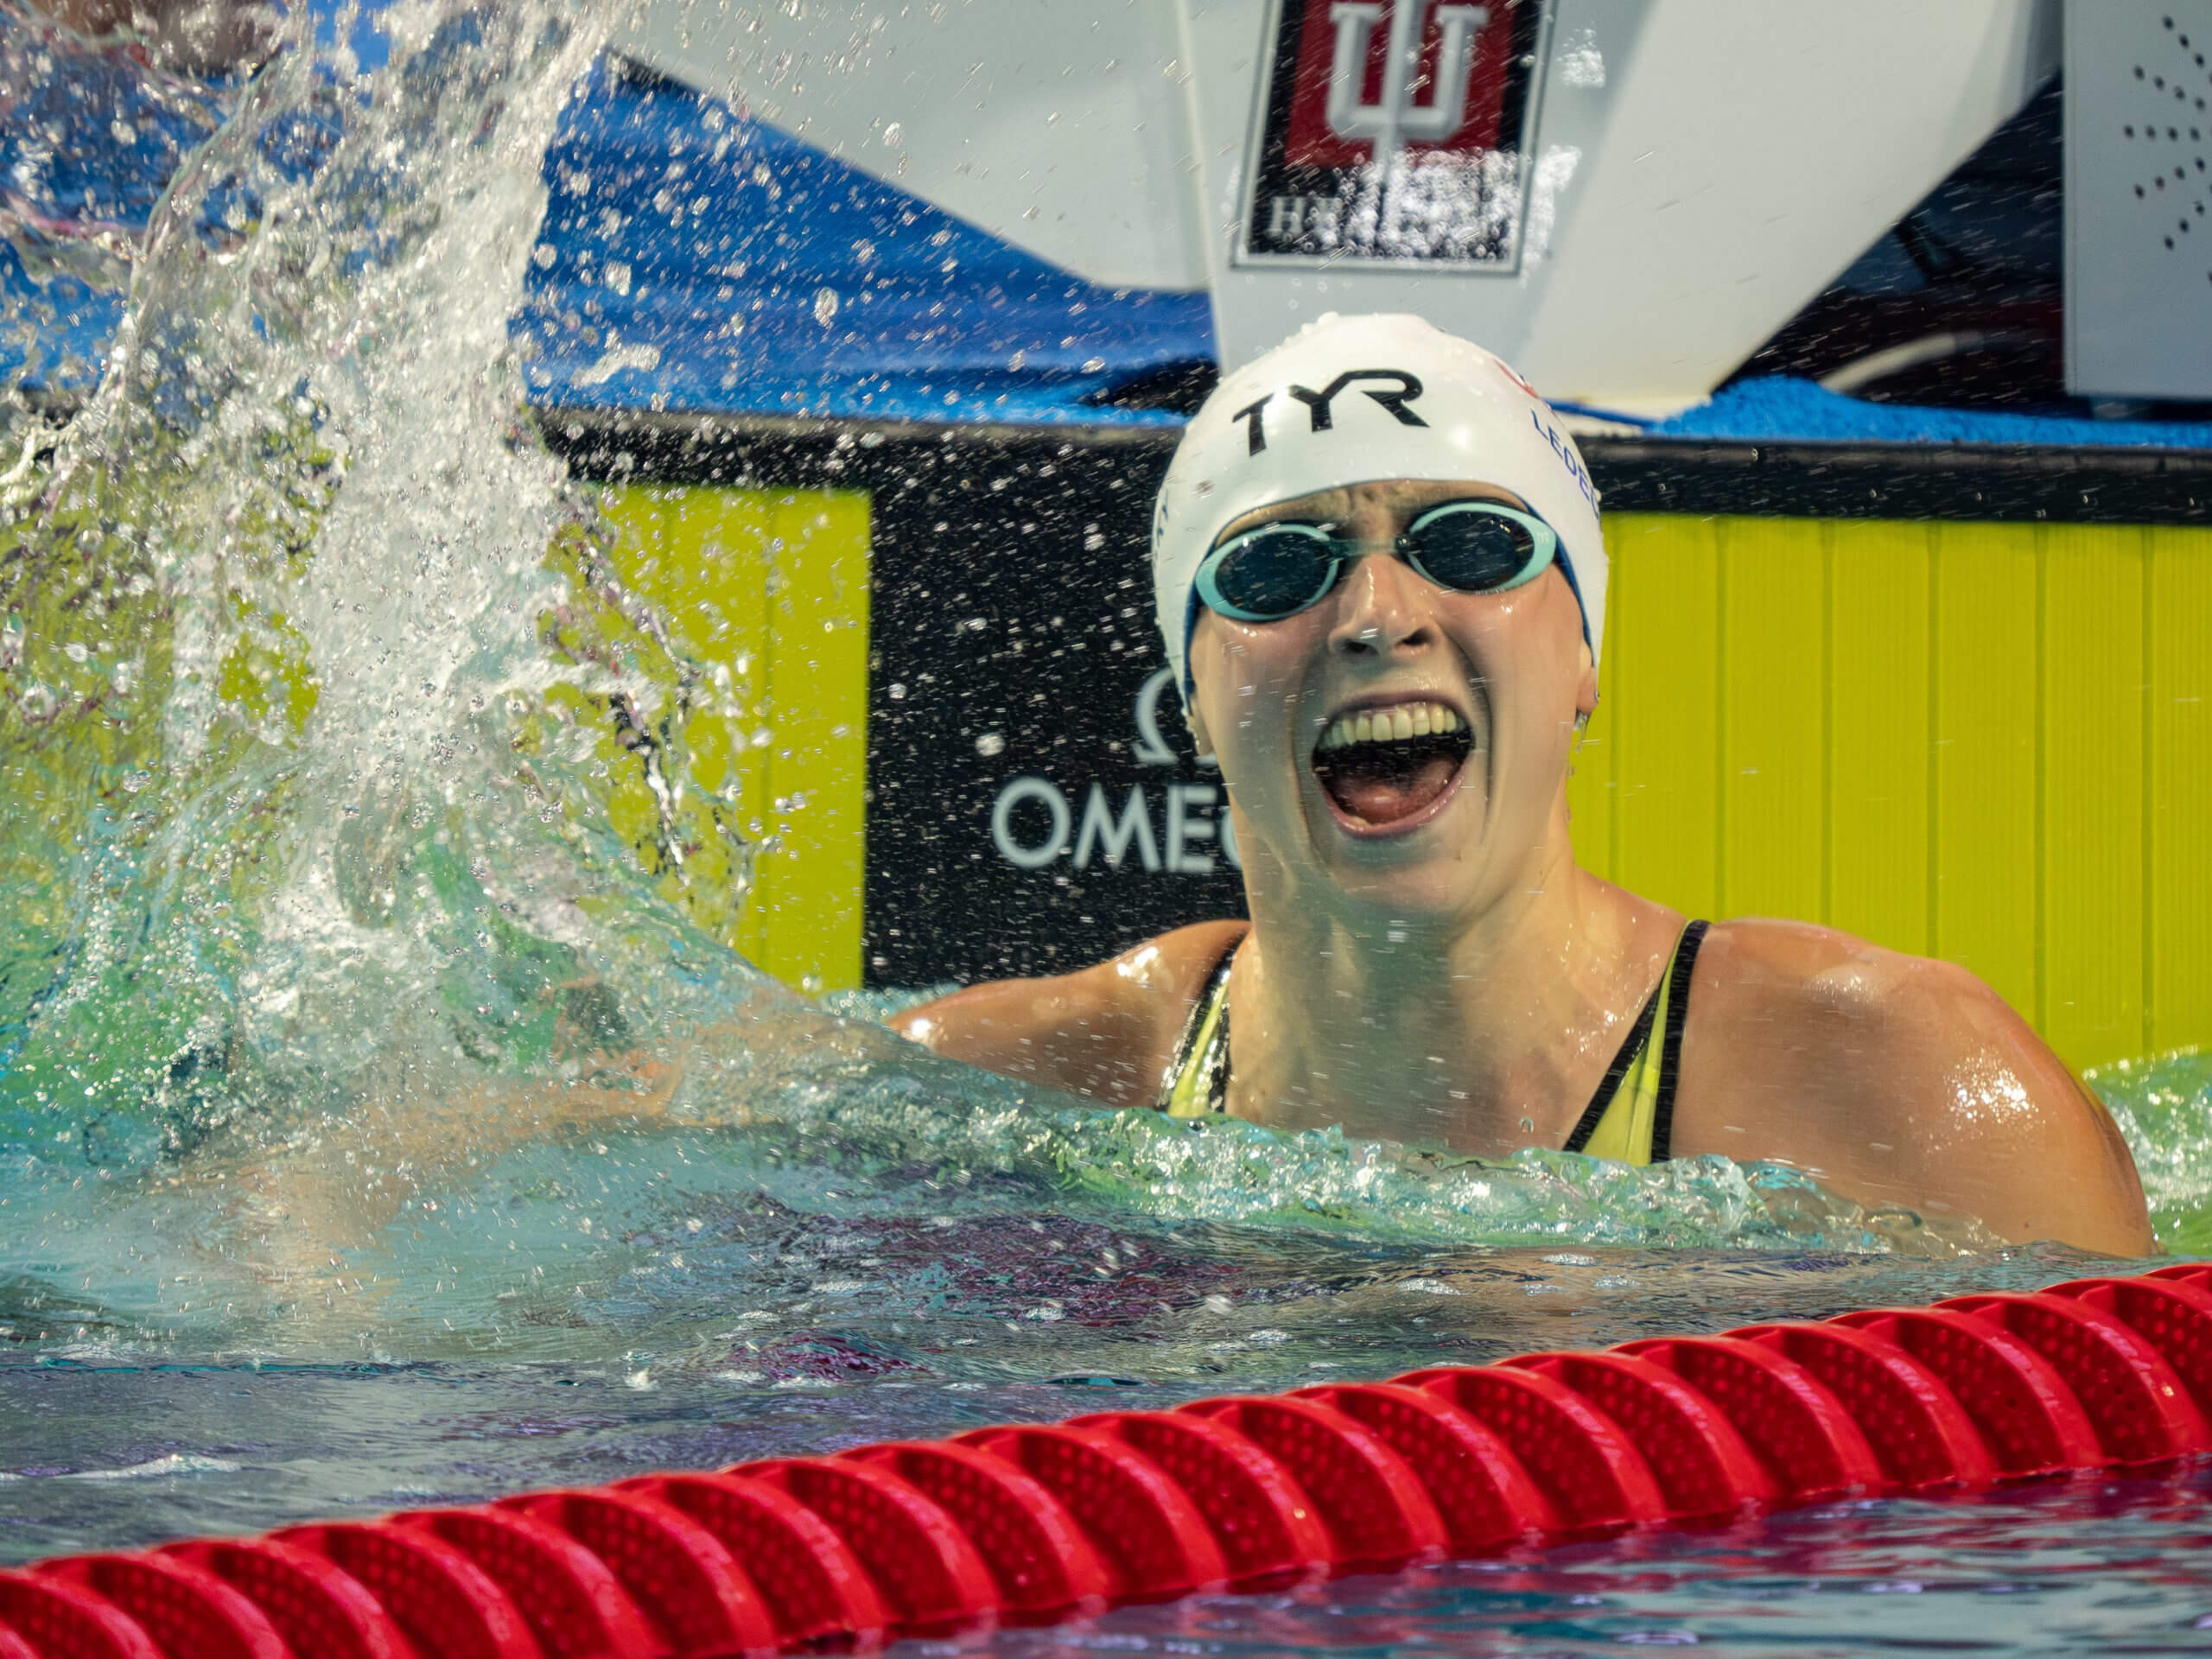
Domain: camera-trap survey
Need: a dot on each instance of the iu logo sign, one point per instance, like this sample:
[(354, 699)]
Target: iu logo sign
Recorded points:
[(1393, 132)]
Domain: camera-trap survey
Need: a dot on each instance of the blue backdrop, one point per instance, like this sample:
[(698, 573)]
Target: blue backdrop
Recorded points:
[(689, 260), (696, 263)]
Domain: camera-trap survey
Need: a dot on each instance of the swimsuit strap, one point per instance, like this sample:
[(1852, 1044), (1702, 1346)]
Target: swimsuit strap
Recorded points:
[(1195, 1082), (1632, 1050), (1630, 1117), (1670, 1060)]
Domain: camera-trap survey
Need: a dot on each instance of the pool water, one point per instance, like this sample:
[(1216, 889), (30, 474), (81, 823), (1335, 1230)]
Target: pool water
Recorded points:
[(384, 1121), (782, 1333), (2102, 1567)]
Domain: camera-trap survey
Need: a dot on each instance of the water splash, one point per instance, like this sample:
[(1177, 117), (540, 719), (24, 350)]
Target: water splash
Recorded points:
[(2164, 1108), (304, 822)]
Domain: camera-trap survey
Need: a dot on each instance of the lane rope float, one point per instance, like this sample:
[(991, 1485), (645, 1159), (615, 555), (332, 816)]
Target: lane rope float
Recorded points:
[(1034, 1523)]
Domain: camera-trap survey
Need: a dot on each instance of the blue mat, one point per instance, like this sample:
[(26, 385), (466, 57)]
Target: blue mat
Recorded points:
[(1782, 408)]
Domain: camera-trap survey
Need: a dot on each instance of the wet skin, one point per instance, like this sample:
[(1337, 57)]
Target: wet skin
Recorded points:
[(1448, 973)]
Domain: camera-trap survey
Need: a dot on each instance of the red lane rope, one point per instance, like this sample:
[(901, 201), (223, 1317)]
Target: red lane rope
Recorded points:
[(1031, 1524)]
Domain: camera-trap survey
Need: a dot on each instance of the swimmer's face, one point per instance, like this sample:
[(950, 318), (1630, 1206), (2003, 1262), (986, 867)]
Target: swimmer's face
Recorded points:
[(1433, 824)]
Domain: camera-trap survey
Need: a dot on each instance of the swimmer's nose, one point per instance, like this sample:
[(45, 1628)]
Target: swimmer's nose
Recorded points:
[(1382, 609)]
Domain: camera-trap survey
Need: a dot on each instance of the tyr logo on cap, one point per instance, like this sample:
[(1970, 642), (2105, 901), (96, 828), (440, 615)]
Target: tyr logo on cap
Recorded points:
[(1407, 387)]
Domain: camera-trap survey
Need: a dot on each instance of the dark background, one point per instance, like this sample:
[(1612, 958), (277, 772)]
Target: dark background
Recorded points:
[(1012, 602)]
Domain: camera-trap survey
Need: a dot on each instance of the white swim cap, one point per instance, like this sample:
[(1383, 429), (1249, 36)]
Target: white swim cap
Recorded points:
[(1354, 400)]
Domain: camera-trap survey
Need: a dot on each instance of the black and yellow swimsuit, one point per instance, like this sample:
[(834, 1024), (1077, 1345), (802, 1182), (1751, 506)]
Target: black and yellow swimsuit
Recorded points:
[(1630, 1118)]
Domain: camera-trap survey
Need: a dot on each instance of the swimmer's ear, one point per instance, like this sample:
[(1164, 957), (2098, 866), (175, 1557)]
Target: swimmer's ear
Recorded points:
[(1585, 692), (1196, 722)]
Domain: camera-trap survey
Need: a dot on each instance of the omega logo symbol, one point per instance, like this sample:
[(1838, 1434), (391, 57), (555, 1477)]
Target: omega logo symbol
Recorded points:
[(1171, 829)]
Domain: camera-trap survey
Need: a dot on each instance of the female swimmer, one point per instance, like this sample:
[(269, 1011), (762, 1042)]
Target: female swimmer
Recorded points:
[(1378, 571)]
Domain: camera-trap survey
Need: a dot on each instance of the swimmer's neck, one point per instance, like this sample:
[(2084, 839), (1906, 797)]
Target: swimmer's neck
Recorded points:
[(1460, 1029)]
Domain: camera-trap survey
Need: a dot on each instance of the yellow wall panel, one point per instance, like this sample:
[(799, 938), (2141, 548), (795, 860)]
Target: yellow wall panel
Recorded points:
[(1984, 801), (767, 591), (1773, 717), (1663, 680), (811, 875), (1879, 751), (696, 556), (2178, 903), (2091, 878), (1988, 742)]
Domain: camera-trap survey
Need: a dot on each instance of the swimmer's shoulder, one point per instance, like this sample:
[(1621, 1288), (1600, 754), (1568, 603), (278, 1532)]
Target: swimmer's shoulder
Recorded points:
[(1897, 1079), (1106, 1032)]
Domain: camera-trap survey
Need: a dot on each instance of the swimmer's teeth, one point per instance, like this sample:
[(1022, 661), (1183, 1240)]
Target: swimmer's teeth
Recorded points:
[(1394, 725)]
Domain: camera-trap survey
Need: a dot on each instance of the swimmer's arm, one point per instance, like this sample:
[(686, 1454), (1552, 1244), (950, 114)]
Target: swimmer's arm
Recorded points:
[(1898, 1080), (1106, 1032)]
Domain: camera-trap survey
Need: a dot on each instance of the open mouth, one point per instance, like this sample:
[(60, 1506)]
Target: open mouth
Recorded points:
[(1382, 765)]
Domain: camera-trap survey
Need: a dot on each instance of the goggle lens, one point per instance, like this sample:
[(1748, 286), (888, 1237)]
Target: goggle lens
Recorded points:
[(1276, 571), (1477, 550)]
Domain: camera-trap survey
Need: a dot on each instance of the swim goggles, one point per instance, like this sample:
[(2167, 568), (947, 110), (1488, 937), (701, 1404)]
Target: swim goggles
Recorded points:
[(1279, 569)]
